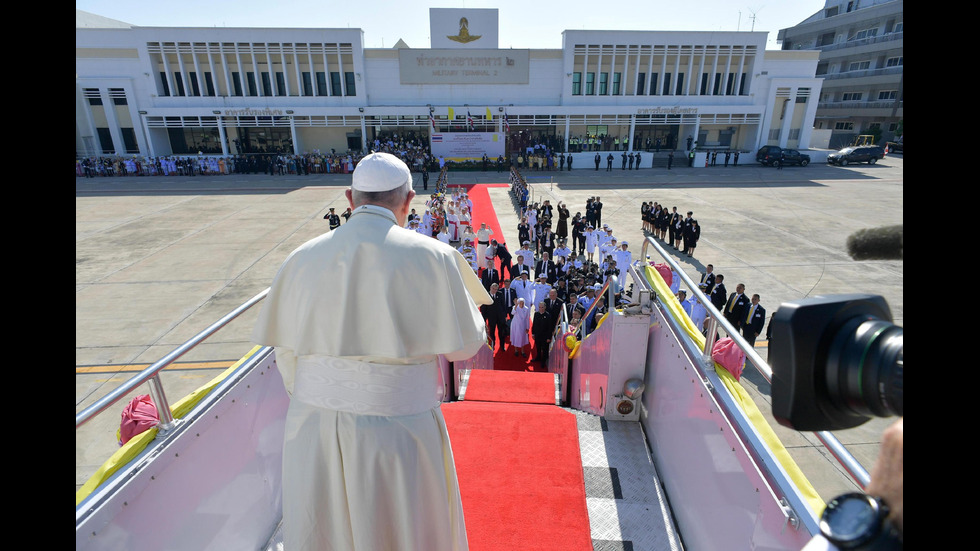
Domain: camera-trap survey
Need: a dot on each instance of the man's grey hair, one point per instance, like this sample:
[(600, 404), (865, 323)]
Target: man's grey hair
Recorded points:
[(391, 198)]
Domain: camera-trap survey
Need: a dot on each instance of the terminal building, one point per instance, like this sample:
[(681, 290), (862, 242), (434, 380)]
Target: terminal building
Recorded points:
[(158, 91), (861, 45)]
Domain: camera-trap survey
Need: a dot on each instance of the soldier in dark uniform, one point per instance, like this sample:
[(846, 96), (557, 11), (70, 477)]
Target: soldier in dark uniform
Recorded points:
[(333, 219)]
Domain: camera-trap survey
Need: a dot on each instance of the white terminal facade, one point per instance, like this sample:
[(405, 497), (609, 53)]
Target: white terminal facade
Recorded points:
[(230, 91)]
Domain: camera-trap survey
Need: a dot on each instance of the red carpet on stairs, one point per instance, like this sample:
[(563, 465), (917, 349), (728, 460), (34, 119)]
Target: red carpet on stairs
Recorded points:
[(520, 476), (508, 386), (519, 464)]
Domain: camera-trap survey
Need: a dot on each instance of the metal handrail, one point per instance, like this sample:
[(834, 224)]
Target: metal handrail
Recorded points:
[(611, 299), (152, 373), (854, 468)]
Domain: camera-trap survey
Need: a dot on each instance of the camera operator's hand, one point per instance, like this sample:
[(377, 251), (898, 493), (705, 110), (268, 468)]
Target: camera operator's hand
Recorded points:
[(888, 471)]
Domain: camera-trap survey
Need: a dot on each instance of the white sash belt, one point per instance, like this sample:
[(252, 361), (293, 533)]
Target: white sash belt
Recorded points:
[(367, 388)]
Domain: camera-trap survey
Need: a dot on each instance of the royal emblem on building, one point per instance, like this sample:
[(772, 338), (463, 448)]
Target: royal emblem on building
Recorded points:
[(464, 35)]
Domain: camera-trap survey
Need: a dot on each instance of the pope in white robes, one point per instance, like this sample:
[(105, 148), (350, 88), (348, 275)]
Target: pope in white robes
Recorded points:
[(367, 462)]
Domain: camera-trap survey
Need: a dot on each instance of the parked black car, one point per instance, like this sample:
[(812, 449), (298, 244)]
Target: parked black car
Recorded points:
[(768, 154), (771, 154), (860, 154)]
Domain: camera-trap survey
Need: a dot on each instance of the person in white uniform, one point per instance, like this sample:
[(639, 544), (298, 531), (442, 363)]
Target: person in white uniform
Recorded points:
[(482, 242), (367, 462)]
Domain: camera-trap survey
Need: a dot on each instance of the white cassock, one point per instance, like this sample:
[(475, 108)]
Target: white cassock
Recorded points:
[(520, 323), (367, 462), (591, 240), (482, 242)]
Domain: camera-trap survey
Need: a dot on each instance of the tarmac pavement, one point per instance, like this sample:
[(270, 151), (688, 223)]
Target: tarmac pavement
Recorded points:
[(157, 259)]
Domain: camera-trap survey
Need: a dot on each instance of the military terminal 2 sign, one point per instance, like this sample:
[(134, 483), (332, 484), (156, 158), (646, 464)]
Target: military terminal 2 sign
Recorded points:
[(470, 66)]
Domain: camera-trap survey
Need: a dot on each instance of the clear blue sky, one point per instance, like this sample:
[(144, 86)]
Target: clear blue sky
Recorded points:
[(523, 24)]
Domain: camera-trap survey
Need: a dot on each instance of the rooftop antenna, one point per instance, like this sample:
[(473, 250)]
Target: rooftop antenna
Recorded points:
[(752, 17)]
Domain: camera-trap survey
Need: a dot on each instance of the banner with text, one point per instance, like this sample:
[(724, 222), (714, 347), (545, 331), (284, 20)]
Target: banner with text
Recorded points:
[(461, 146), (458, 67)]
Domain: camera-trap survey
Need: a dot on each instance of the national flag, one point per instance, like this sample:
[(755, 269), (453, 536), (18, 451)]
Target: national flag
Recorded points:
[(437, 137), (469, 119), (432, 120), (506, 124)]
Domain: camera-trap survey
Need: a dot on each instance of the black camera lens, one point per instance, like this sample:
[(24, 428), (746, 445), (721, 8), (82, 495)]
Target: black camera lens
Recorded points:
[(864, 368), (837, 361)]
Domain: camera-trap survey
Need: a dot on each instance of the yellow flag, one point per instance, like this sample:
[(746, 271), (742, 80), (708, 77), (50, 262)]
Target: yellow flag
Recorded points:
[(489, 114), (452, 114)]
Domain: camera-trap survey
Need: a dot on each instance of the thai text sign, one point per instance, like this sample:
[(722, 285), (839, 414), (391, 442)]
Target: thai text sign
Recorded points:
[(463, 67), (458, 146)]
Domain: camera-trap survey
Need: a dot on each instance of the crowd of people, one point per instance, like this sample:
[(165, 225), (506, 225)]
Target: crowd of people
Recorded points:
[(408, 147), (679, 232)]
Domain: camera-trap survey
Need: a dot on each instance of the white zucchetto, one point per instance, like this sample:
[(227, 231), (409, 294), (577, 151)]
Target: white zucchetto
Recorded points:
[(380, 172)]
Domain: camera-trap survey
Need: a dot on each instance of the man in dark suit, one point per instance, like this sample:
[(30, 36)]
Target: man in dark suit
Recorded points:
[(547, 268), (719, 295), (501, 252), (736, 306), (541, 328), (707, 280), (755, 318), (490, 276), (553, 305), (495, 317)]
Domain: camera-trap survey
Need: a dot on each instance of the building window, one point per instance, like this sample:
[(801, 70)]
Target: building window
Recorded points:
[(859, 65), (603, 84), (717, 89), (209, 83), (590, 84), (266, 83), (874, 126), (349, 82), (894, 61), (866, 33), (617, 78), (280, 83), (887, 95), (179, 84), (704, 84), (852, 96), (165, 86), (236, 81), (576, 84), (654, 78), (195, 88), (118, 96), (253, 90), (666, 90), (741, 85), (826, 39), (641, 83), (335, 84), (679, 89), (321, 83), (844, 126), (129, 140), (830, 12), (105, 139), (307, 84)]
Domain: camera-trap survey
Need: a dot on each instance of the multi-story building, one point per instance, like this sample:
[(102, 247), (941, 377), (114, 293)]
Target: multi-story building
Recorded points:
[(860, 44), (227, 91)]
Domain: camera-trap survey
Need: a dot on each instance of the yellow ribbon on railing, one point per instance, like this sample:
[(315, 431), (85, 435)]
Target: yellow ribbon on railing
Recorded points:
[(131, 449), (742, 398)]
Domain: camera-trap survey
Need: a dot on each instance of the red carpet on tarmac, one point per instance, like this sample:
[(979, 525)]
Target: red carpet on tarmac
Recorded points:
[(483, 211)]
